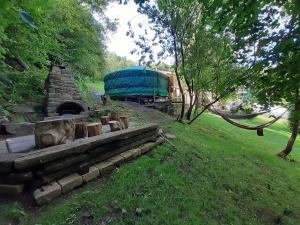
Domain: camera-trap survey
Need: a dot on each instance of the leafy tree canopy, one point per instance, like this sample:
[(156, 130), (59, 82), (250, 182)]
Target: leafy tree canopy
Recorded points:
[(66, 33)]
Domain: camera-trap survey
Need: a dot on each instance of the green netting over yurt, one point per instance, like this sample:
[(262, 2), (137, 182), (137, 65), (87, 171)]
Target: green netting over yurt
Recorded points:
[(136, 81)]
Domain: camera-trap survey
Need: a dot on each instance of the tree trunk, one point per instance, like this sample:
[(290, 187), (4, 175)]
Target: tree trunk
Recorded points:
[(295, 126), (54, 132), (191, 106), (180, 117), (204, 109)]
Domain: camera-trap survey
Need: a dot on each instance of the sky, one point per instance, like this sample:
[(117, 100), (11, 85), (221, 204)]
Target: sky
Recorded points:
[(118, 42)]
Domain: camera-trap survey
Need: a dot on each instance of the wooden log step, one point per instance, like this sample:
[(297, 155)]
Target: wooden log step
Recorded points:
[(94, 129), (81, 130), (104, 120), (124, 122), (114, 125), (42, 156), (114, 116)]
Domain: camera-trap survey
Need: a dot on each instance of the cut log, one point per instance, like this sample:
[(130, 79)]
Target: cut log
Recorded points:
[(54, 132), (114, 116), (104, 120), (114, 125), (80, 130), (94, 129), (124, 122), (150, 145)]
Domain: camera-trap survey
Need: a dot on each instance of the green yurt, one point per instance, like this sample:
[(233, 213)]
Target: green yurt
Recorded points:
[(136, 81)]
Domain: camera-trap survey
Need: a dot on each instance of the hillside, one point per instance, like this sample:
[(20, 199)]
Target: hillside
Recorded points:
[(217, 174)]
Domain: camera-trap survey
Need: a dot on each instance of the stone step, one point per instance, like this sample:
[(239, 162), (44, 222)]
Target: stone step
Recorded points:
[(51, 191), (70, 182), (47, 193)]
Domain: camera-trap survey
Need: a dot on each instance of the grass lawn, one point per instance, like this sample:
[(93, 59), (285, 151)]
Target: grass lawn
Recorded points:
[(218, 174), (95, 86)]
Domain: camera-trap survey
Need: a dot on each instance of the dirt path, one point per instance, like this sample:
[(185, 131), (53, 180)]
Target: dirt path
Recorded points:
[(142, 114)]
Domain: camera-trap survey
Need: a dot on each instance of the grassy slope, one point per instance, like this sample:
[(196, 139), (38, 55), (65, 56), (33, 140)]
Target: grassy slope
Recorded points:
[(97, 86), (218, 175)]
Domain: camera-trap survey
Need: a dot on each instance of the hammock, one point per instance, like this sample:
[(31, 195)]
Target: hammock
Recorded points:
[(258, 128), (239, 116)]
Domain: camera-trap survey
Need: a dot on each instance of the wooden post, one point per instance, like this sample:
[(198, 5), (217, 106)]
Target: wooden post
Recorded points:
[(80, 130), (124, 122), (114, 116), (104, 120), (104, 99), (94, 129), (54, 132), (114, 125)]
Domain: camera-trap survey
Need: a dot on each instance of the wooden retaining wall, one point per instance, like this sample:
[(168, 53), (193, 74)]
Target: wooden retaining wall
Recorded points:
[(39, 168)]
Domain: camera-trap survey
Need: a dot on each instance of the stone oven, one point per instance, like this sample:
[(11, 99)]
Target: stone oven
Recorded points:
[(62, 94)]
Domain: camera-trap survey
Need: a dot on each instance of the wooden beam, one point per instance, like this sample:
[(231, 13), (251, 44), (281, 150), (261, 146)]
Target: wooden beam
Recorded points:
[(42, 156)]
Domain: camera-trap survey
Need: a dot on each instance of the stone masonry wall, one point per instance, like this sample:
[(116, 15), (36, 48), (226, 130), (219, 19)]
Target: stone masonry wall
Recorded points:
[(61, 88)]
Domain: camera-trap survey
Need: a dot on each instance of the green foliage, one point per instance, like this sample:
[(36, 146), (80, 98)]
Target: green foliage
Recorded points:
[(266, 39), (66, 33), (203, 58), (265, 36), (114, 62), (13, 212)]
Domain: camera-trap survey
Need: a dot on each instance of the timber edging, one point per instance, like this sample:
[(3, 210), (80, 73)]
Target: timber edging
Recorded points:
[(47, 170)]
